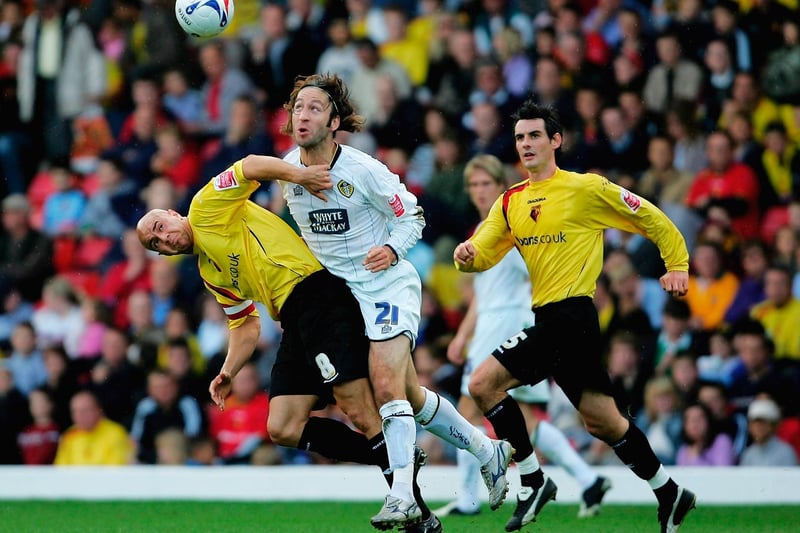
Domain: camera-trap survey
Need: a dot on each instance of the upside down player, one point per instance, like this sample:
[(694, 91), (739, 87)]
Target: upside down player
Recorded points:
[(556, 220), (246, 254)]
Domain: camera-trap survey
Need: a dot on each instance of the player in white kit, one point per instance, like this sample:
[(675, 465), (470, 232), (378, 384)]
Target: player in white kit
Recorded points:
[(360, 229), (500, 308)]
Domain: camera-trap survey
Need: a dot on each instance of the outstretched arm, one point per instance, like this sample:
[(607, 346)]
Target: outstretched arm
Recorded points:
[(241, 345), (315, 178)]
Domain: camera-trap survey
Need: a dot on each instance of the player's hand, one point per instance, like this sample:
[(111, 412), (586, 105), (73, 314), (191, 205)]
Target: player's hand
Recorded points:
[(220, 388), (464, 253), (379, 258), (316, 179), (675, 283), (455, 351)]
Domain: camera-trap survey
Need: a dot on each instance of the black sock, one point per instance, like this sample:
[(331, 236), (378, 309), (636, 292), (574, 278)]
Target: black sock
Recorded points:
[(335, 440), (377, 445), (533, 481), (667, 493), (509, 424), (634, 450)]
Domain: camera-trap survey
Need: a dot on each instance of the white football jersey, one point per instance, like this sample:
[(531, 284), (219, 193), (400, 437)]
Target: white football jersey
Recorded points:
[(367, 206)]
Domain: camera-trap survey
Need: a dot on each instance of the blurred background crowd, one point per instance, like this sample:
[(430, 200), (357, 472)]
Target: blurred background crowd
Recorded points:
[(108, 109)]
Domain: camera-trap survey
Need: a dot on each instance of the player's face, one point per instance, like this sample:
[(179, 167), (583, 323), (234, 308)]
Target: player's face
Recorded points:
[(536, 150), (165, 232), (311, 118), (483, 190)]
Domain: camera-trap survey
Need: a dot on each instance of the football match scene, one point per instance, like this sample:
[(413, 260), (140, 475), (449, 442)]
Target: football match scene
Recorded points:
[(425, 266)]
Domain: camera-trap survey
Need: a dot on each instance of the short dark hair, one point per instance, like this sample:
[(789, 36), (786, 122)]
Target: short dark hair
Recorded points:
[(531, 110), (677, 309)]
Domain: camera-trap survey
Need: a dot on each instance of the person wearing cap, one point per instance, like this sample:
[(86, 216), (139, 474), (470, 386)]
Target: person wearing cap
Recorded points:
[(763, 417), (25, 254)]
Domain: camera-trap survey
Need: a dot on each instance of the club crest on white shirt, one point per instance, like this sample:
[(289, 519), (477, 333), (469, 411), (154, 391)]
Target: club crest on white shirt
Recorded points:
[(297, 190), (345, 188)]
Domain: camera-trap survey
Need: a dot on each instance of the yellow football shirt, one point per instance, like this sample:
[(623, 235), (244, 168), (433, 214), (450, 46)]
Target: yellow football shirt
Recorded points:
[(782, 325), (557, 225), (107, 444), (245, 253)]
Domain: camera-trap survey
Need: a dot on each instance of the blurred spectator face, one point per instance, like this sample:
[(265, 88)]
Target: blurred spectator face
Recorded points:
[(567, 20), (447, 152), (461, 47), (613, 124), (145, 121), (169, 144), (177, 324), (706, 261), (778, 287), (587, 103), (243, 116), (57, 295), (674, 327), (395, 21), (718, 57), (171, 447), (695, 424), (23, 339), (367, 55), (660, 154), (723, 20), (775, 141), (11, 14), (545, 43), (40, 405), (489, 79), (179, 361), (712, 397), (720, 345), (668, 50), (160, 193), (273, 21), (247, 383), (571, 50), (791, 33), (339, 32), (754, 261), (140, 310), (625, 70), (6, 381), (387, 96), (15, 220), (548, 78), (752, 351), (684, 372), (85, 411), (785, 241), (108, 175), (114, 349), (11, 51), (145, 93), (628, 22), (212, 311), (483, 189), (744, 91), (212, 60), (719, 152), (162, 388), (740, 129), (163, 277), (487, 121), (622, 359), (435, 124), (60, 178), (175, 83), (689, 9), (54, 362)]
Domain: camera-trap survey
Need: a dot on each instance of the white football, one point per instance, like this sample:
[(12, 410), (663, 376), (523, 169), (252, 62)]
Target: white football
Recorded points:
[(204, 18)]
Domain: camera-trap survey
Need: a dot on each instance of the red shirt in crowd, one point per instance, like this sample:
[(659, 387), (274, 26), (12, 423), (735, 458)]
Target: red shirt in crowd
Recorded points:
[(39, 444), (239, 422), (738, 182)]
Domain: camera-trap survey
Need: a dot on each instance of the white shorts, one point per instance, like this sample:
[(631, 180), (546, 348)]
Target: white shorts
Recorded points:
[(492, 330), (390, 302)]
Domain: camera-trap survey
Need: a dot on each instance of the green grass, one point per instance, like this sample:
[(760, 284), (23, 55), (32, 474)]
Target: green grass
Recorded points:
[(333, 517)]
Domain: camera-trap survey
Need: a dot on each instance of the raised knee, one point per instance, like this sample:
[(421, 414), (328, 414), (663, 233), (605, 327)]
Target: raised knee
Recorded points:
[(283, 434)]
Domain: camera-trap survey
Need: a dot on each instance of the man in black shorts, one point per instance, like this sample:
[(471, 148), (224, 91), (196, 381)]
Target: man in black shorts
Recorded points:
[(556, 220), (247, 254)]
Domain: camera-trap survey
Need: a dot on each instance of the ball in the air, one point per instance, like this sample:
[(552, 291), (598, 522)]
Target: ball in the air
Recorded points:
[(204, 18)]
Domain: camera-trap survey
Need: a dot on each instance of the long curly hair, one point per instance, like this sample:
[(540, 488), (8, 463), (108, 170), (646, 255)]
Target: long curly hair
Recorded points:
[(341, 105)]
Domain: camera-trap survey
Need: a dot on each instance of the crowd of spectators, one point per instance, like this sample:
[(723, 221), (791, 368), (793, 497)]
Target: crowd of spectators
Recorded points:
[(108, 109)]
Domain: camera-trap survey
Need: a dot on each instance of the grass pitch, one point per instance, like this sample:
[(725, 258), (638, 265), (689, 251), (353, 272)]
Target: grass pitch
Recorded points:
[(339, 517)]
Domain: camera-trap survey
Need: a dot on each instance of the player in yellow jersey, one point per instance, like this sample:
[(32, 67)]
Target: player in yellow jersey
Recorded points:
[(247, 254), (556, 220)]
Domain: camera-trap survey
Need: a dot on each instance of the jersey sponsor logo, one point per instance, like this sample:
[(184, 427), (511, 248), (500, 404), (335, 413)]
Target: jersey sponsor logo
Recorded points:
[(536, 200), (345, 188), (329, 221), (297, 190), (225, 180), (631, 200), (233, 269), (535, 211), (397, 205), (548, 238)]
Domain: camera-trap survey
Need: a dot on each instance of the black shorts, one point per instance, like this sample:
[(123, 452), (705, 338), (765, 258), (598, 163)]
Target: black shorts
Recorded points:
[(565, 343), (323, 340)]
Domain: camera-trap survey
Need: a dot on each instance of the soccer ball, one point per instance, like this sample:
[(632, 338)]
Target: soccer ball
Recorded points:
[(204, 18)]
